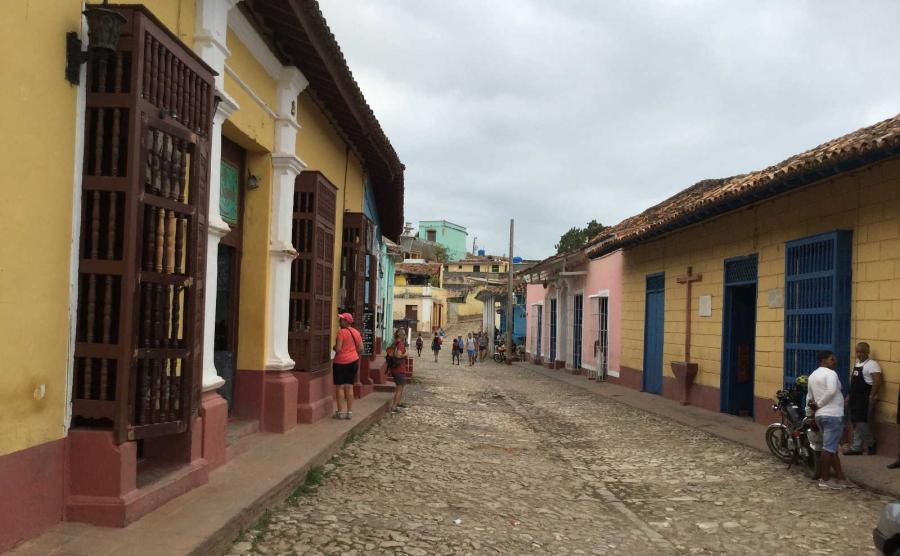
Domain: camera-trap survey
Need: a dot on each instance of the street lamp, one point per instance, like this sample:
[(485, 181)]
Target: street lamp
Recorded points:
[(104, 28)]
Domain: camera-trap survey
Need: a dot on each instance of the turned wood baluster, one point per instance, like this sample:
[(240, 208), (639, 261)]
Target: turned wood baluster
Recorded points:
[(146, 310), (179, 245), (154, 71), (182, 171), (155, 147), (170, 242), (179, 96), (157, 316), (154, 396), (144, 390), (148, 55), (204, 107), (165, 165), (166, 317), (160, 245), (176, 169), (149, 236), (176, 316), (189, 98)]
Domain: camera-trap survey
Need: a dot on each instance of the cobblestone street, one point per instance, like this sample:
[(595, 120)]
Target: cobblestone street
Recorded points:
[(497, 459)]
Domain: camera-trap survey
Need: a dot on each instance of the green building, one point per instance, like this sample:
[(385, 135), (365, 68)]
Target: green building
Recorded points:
[(451, 236)]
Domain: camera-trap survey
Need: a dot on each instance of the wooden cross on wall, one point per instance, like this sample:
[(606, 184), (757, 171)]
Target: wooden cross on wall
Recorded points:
[(688, 279)]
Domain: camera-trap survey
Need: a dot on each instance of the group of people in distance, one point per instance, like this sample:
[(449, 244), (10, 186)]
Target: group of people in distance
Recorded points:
[(345, 366), (474, 345)]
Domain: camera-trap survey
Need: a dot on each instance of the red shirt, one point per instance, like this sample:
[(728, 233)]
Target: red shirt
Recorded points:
[(350, 338)]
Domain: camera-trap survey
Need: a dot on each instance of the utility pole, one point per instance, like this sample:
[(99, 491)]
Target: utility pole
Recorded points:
[(510, 298), (474, 239)]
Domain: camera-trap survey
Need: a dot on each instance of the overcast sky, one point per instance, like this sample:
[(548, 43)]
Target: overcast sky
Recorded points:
[(559, 112)]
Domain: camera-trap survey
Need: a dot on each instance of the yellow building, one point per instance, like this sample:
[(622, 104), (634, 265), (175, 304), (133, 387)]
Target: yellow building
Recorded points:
[(195, 207), (479, 264), (780, 263), (419, 296)]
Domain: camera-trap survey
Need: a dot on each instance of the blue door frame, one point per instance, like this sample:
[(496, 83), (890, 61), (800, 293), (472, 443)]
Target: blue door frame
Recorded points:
[(737, 375), (654, 332)]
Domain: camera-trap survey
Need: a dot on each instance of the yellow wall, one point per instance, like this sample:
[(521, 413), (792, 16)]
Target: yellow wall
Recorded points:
[(320, 146), (37, 170), (483, 267), (866, 202)]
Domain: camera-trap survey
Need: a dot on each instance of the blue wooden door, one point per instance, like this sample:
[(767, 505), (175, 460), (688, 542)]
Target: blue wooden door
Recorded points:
[(577, 327), (654, 322), (817, 294)]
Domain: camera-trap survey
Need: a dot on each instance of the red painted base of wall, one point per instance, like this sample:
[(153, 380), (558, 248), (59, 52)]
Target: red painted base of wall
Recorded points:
[(102, 487), (31, 491), (214, 410), (378, 370), (700, 395), (315, 395), (555, 364), (268, 396), (363, 385), (628, 377)]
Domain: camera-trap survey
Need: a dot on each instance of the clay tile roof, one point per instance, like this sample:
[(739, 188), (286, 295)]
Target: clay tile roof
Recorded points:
[(709, 198), (420, 269)]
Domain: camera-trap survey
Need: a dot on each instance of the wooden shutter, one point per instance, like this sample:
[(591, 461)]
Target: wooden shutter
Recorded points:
[(309, 336), (138, 354)]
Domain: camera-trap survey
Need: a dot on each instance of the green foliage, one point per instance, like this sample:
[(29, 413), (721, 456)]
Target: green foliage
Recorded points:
[(440, 253), (578, 237)]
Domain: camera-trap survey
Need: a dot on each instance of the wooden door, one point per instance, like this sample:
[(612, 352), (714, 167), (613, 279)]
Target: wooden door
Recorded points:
[(654, 333), (138, 353), (358, 230)]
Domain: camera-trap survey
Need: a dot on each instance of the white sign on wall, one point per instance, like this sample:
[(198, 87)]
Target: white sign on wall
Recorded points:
[(705, 306)]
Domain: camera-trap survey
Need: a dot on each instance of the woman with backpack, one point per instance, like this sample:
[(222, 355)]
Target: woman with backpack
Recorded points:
[(436, 346), (419, 344), (457, 349)]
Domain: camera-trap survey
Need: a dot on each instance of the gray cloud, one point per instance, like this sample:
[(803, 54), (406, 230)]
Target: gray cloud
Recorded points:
[(555, 113)]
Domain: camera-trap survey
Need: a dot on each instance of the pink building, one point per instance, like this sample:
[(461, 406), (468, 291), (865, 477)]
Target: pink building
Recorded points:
[(574, 313)]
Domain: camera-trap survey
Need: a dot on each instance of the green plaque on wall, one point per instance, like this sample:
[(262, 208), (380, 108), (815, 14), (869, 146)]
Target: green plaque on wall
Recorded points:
[(228, 198)]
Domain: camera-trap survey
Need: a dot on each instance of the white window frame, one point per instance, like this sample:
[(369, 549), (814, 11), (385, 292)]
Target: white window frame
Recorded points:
[(602, 334)]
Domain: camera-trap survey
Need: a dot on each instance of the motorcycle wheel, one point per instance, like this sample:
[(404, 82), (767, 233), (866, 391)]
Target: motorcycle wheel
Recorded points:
[(778, 441), (498, 358)]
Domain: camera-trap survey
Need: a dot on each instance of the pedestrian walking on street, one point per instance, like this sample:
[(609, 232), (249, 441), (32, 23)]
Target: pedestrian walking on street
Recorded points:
[(455, 350), (827, 403), (419, 344), (436, 346), (470, 349), (395, 367), (865, 381), (483, 345), (347, 348)]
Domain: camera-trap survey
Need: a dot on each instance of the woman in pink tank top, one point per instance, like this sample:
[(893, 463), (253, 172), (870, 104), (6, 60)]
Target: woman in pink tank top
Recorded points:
[(345, 366)]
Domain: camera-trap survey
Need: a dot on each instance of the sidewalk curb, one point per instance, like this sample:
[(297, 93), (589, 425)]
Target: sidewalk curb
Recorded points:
[(221, 540), (661, 405)]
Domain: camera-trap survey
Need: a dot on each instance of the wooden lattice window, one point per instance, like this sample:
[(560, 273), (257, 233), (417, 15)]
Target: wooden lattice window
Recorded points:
[(309, 336), (358, 230), (139, 332)]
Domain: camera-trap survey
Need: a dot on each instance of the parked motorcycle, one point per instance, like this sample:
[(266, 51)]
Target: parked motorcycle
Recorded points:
[(500, 353), (796, 440)]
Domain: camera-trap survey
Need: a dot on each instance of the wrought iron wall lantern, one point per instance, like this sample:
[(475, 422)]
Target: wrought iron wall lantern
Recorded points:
[(104, 28), (252, 181)]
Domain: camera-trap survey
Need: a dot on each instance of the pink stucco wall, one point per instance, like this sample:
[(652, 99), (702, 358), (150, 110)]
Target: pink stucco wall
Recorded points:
[(605, 273)]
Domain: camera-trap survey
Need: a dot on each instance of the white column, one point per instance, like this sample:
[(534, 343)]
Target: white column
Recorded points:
[(562, 337), (209, 43), (216, 230), (286, 167)]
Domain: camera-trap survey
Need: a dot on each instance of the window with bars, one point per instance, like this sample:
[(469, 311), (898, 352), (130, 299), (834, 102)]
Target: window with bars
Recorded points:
[(538, 312), (600, 316), (577, 330), (312, 235), (142, 260)]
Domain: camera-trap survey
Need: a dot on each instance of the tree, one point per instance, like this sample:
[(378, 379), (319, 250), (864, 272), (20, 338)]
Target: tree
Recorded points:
[(440, 253), (578, 237)]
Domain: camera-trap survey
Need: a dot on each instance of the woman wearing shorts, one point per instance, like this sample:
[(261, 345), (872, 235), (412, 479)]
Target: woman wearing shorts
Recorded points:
[(346, 364), (395, 364)]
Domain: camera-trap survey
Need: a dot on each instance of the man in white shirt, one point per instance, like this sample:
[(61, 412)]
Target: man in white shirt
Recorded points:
[(827, 402), (865, 381)]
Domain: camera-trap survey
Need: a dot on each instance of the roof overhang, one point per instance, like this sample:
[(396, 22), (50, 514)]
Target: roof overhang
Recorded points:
[(298, 34)]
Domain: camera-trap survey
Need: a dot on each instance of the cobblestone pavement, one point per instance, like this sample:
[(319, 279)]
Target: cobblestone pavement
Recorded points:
[(496, 459)]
